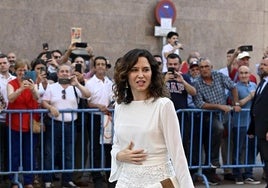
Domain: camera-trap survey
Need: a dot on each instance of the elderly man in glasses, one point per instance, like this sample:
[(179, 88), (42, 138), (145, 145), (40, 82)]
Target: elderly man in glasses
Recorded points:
[(210, 87), (61, 95)]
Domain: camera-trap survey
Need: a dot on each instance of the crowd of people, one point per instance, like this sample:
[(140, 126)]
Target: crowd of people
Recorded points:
[(147, 91), (230, 91), (53, 81)]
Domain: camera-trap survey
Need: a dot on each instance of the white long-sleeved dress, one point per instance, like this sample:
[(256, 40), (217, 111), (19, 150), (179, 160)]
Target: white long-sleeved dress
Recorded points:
[(154, 127)]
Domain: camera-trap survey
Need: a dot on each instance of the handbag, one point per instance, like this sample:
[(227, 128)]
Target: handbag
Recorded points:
[(171, 182), (37, 126)]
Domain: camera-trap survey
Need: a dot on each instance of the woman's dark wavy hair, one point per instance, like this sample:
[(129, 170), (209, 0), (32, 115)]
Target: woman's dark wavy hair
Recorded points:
[(122, 90), (36, 62)]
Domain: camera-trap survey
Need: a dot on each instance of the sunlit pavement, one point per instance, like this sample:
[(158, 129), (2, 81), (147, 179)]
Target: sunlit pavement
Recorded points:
[(257, 174)]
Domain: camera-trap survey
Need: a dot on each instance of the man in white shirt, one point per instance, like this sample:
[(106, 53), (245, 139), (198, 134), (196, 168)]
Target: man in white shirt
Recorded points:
[(5, 77), (172, 47), (100, 87), (58, 96)]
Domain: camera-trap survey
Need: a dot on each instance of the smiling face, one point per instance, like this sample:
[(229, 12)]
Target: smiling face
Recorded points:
[(20, 70), (100, 68), (64, 71), (11, 58), (139, 78), (243, 74)]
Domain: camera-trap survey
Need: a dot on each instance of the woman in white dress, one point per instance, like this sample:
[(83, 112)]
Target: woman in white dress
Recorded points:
[(147, 146)]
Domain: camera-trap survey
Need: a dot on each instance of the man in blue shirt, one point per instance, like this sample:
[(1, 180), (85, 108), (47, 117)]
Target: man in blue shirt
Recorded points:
[(246, 91)]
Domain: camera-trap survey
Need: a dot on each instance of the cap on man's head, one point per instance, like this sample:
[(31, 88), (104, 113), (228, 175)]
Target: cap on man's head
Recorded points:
[(242, 55), (194, 63)]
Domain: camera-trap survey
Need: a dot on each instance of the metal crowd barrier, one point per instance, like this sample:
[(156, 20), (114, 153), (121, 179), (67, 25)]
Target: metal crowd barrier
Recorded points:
[(38, 152), (192, 128)]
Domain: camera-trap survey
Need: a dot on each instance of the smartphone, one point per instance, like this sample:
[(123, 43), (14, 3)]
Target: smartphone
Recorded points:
[(78, 67), (171, 70), (81, 44), (42, 69), (247, 48), (64, 81), (25, 77), (45, 46), (48, 55)]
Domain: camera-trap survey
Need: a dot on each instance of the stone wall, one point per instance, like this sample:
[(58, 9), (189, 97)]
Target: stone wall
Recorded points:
[(112, 27)]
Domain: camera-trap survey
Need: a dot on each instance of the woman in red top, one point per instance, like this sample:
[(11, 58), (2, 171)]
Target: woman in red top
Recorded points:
[(22, 94)]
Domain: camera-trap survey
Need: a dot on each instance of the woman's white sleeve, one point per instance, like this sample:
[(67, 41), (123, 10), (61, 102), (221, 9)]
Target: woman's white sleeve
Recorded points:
[(171, 131), (115, 164)]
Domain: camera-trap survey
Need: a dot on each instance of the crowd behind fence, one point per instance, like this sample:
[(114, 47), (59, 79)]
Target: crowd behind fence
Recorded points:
[(192, 129)]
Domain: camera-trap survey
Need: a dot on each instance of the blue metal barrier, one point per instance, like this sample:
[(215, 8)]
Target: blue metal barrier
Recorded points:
[(191, 120), (40, 169)]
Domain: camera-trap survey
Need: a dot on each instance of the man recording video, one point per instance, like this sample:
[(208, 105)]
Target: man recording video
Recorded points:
[(172, 47)]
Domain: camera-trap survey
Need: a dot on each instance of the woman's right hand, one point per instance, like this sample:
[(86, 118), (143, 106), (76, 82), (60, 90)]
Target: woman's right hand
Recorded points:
[(129, 155)]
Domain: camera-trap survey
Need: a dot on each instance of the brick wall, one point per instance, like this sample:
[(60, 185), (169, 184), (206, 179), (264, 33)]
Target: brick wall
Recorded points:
[(113, 27)]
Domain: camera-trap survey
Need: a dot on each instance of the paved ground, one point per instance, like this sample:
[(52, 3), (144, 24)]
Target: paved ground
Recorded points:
[(224, 184)]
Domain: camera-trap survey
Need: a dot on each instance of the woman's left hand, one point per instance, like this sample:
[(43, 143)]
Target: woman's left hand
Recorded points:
[(129, 155)]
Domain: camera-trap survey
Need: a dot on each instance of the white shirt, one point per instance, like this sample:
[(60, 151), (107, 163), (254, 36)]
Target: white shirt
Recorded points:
[(154, 127), (224, 71), (3, 90), (101, 91), (53, 94), (263, 86), (167, 48), (41, 91)]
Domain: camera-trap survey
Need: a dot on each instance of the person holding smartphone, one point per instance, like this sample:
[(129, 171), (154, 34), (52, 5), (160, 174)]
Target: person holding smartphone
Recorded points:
[(59, 96), (40, 69), (172, 47), (22, 94), (238, 59), (78, 67), (180, 86)]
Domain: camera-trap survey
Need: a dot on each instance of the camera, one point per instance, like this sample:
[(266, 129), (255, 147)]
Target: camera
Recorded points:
[(247, 48), (171, 70), (64, 81), (81, 44)]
